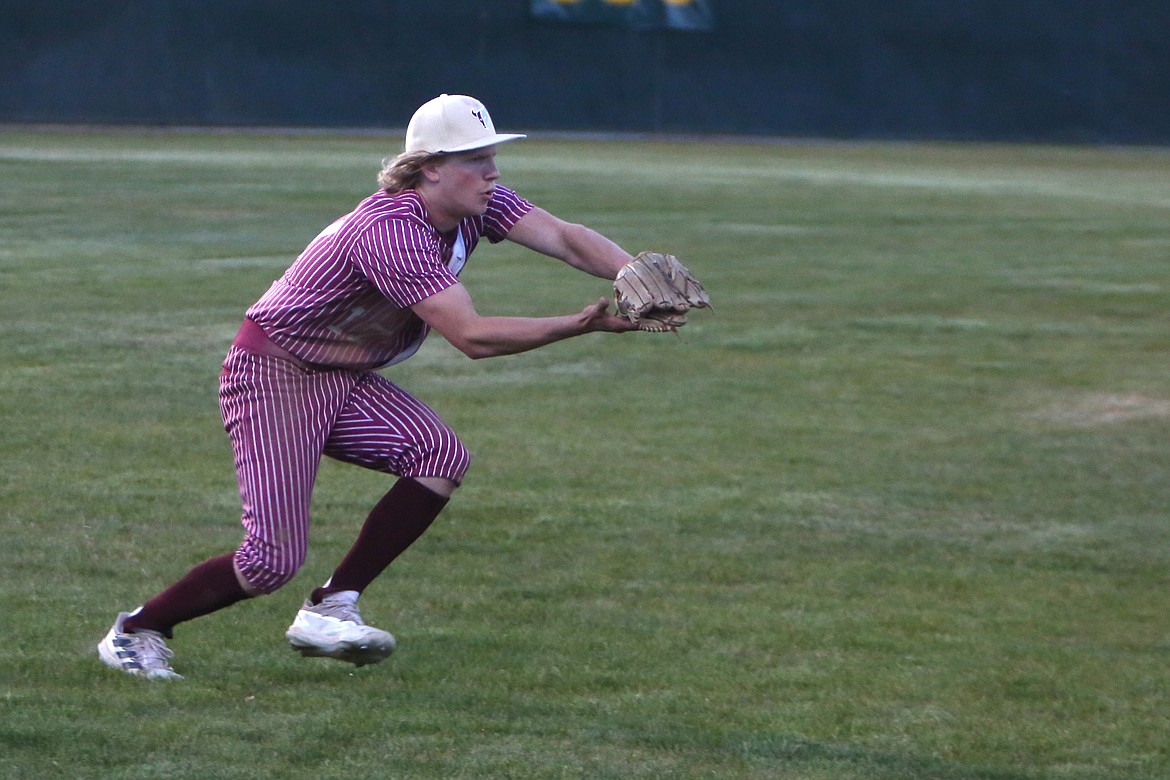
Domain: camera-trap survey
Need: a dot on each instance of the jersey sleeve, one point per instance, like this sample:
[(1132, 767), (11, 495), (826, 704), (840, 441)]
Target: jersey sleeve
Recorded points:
[(402, 261), (503, 212)]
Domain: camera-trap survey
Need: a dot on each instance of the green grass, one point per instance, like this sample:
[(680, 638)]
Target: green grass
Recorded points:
[(895, 509)]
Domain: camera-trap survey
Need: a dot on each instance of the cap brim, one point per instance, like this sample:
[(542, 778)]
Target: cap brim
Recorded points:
[(480, 143)]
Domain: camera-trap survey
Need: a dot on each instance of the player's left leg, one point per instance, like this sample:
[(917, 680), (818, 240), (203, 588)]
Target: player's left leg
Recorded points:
[(383, 428), (386, 429)]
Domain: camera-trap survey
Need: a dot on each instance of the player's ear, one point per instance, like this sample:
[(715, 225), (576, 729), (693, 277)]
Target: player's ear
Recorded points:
[(431, 168)]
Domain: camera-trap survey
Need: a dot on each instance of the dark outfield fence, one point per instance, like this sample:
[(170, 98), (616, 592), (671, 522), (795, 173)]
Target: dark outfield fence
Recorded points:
[(1085, 71)]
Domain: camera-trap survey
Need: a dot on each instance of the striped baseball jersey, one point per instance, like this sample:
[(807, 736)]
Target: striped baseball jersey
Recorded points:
[(345, 302)]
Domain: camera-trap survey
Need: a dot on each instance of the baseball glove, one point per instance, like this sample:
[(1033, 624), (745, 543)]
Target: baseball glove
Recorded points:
[(655, 291)]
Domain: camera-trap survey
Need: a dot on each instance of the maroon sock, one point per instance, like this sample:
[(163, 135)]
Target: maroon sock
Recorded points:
[(394, 524), (210, 586)]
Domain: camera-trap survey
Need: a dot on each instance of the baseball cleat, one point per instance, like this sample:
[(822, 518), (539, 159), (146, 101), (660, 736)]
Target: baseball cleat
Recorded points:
[(334, 629), (142, 653)]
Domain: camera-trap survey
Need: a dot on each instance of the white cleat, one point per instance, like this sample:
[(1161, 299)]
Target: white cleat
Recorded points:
[(142, 653), (334, 629)]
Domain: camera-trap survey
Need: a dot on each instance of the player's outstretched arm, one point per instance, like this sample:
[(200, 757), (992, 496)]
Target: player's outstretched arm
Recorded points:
[(579, 246), (452, 314)]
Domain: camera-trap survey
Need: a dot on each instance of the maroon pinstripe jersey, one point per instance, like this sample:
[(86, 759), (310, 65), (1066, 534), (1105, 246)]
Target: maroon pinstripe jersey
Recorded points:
[(345, 302)]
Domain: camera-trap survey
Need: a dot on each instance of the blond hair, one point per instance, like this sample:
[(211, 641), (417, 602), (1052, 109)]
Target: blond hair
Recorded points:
[(404, 172)]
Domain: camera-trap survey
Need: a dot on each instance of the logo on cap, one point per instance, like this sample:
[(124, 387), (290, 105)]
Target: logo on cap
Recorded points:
[(452, 123)]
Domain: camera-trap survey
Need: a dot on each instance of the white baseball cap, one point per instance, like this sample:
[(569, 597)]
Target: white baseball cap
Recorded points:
[(452, 123)]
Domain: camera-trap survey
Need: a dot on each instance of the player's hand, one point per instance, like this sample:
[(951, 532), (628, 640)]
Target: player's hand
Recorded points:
[(597, 317)]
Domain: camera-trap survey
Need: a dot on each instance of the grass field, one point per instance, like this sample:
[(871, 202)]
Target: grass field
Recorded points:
[(897, 508)]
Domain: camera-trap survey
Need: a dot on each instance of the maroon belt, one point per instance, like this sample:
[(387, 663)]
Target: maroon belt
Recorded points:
[(252, 338)]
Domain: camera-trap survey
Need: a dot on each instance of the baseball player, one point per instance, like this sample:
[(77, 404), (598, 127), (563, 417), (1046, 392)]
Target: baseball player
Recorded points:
[(300, 381)]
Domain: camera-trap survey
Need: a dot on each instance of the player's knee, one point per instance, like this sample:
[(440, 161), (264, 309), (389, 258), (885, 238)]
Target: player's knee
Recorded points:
[(440, 486), (266, 574), (462, 462), (275, 578), (448, 459)]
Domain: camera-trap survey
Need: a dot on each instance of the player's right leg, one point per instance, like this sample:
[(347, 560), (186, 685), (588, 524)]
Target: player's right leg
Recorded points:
[(141, 653), (278, 416), (136, 644)]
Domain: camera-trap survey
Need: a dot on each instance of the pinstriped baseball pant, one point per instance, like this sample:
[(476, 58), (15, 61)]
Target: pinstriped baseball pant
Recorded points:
[(282, 417)]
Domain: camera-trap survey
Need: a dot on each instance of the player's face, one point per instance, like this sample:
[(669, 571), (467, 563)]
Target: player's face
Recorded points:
[(468, 181)]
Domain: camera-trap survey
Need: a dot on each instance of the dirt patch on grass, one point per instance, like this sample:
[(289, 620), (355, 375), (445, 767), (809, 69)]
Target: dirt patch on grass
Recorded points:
[(1106, 409)]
